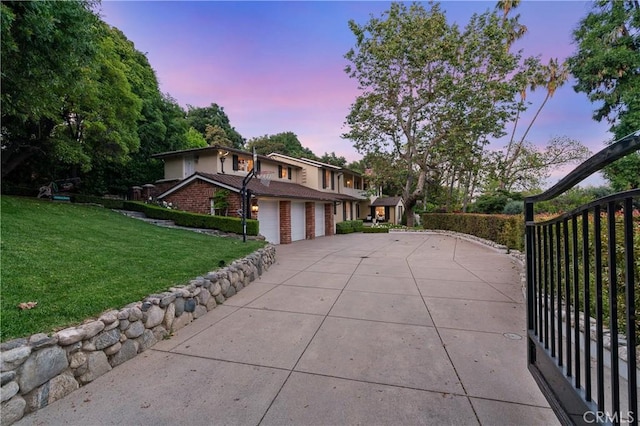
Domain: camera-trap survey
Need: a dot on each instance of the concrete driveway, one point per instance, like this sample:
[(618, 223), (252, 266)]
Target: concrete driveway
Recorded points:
[(371, 329)]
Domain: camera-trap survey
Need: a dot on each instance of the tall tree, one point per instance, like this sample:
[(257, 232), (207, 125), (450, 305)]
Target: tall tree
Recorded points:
[(213, 115), (607, 68), (44, 44), (286, 143), (426, 84), (332, 158)]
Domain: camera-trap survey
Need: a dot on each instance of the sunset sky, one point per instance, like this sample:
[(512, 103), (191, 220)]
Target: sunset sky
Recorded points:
[(279, 66)]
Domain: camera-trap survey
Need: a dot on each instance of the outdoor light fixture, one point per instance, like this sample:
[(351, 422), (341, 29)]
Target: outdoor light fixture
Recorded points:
[(223, 156), (254, 208)]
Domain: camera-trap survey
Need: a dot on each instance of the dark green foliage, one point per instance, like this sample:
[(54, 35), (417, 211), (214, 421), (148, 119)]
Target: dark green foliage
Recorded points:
[(213, 115), (286, 143), (490, 203), (506, 230), (105, 202), (375, 230), (349, 226), (344, 227), (513, 207)]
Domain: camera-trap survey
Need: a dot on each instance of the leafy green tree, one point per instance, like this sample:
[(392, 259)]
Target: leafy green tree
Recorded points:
[(333, 159), (44, 45), (194, 139), (426, 85), (215, 135), (213, 115), (286, 143), (607, 68)]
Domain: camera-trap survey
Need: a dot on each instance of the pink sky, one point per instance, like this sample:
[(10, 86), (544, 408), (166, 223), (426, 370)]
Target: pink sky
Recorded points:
[(279, 66)]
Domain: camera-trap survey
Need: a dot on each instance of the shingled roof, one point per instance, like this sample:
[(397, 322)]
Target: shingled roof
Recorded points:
[(276, 189)]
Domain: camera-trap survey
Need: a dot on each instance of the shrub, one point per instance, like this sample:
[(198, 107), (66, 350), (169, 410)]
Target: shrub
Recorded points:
[(513, 207), (357, 225), (107, 203), (344, 227), (375, 230), (502, 229)]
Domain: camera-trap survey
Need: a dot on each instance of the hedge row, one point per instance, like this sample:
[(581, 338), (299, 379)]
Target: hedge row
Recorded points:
[(375, 230), (349, 226), (181, 218), (503, 229)]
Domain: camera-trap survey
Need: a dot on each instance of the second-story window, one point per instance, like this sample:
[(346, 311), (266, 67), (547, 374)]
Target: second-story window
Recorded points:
[(242, 164)]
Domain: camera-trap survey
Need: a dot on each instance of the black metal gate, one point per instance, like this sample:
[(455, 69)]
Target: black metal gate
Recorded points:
[(583, 300)]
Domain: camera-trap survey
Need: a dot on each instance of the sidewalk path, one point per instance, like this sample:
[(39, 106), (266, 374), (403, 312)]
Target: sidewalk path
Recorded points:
[(370, 329)]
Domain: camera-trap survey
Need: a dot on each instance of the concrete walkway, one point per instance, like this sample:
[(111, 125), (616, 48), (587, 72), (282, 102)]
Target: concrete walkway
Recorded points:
[(370, 329)]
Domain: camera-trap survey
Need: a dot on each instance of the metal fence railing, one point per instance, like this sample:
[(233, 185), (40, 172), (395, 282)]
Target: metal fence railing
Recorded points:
[(583, 300)]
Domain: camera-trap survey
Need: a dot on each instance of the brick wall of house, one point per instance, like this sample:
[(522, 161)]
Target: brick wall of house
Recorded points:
[(194, 197), (328, 219), (285, 222), (235, 204), (310, 220)]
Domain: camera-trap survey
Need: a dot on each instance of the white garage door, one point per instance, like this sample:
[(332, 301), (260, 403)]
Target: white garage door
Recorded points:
[(269, 218), (319, 220), (297, 222)]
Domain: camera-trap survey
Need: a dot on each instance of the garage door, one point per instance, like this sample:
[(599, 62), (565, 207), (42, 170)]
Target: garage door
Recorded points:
[(269, 218), (297, 222), (319, 219)]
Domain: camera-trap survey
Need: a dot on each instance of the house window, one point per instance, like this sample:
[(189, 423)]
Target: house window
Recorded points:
[(333, 186), (289, 173), (325, 178), (242, 164), (282, 173)]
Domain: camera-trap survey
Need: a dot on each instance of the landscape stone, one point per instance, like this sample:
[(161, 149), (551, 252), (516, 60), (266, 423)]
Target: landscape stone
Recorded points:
[(230, 292), (155, 315), (73, 348), (216, 289), (124, 324), (181, 321), (204, 297), (13, 358), (8, 391), (123, 314), (145, 306), (77, 359), (135, 330), (61, 386), (211, 303), (224, 284), (6, 377), (199, 311), (106, 339), (69, 336), (89, 346), (97, 364), (109, 317), (146, 340), (189, 305), (128, 350), (166, 300), (135, 314), (220, 299), (160, 332), (12, 410), (111, 326), (112, 349), (41, 367), (41, 340), (92, 328), (37, 398), (179, 304), (12, 344), (169, 316)]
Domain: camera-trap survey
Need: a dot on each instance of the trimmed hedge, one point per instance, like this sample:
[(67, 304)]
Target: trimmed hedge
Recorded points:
[(344, 227), (376, 230), (181, 218), (349, 226), (91, 199), (507, 230)]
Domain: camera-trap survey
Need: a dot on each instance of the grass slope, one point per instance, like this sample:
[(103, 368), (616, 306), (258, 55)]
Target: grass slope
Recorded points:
[(77, 261)]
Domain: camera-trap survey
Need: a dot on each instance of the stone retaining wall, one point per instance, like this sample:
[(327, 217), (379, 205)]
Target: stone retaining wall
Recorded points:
[(41, 369)]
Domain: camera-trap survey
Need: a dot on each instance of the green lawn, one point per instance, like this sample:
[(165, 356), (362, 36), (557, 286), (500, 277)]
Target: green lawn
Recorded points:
[(77, 261)]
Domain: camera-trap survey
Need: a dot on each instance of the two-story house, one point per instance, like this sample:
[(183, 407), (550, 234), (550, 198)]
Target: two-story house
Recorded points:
[(347, 186), (286, 209)]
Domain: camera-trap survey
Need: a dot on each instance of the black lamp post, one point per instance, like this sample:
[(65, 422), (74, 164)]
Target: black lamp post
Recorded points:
[(243, 194)]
